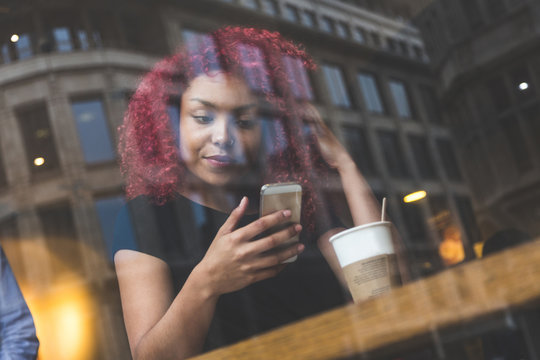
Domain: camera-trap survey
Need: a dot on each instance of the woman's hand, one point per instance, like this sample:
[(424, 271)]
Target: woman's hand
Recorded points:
[(234, 261), (333, 152)]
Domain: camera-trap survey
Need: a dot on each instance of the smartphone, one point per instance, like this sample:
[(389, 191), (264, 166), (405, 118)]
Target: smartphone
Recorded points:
[(282, 196)]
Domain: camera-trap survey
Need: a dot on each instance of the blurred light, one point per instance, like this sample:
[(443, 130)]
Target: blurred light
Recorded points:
[(451, 248), (415, 196), (39, 161), (478, 249), (14, 38), (523, 86)]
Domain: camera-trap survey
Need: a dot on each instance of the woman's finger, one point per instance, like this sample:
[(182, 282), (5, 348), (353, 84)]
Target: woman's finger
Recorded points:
[(277, 257), (273, 240), (235, 216), (259, 226)]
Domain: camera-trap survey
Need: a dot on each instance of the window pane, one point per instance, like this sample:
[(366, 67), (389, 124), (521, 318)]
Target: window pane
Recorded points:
[(6, 58), (356, 142), (370, 93), (450, 164), (393, 154), (62, 39), (336, 85), (269, 7), (41, 154), (431, 104), (254, 67), (327, 24), (83, 40), (93, 131), (308, 18), (24, 47), (401, 99), (252, 4), (296, 72), (342, 30), (291, 13), (422, 155), (358, 35), (107, 210)]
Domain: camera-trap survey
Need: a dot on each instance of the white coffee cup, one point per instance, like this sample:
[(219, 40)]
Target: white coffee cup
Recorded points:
[(367, 256)]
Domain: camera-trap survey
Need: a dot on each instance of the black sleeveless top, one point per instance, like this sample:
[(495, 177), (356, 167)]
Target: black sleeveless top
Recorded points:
[(180, 231)]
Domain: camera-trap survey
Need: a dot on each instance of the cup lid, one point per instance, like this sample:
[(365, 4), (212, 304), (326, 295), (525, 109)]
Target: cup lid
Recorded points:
[(360, 227)]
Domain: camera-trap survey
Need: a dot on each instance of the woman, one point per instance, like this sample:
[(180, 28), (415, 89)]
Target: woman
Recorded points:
[(193, 277)]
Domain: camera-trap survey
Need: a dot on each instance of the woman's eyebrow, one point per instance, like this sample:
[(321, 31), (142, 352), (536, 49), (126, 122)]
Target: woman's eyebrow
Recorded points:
[(214, 106)]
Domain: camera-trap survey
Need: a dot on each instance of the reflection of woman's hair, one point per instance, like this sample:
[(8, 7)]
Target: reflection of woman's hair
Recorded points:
[(148, 146)]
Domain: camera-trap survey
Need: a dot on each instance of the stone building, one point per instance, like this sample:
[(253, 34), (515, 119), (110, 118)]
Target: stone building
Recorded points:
[(485, 55), (67, 69)]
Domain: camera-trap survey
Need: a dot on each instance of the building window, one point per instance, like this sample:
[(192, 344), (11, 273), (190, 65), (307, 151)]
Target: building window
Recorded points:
[(356, 142), (417, 51), (468, 219), (62, 39), (336, 85), (83, 40), (499, 94), (391, 44), (173, 110), (512, 131), (403, 48), (298, 76), (422, 155), (449, 161), (401, 99), (6, 58), (93, 131), (415, 227), (393, 154), (370, 93), (254, 67), (431, 103), (61, 236), (269, 7), (41, 153), (107, 209), (327, 24), (195, 43), (23, 47), (251, 4), (291, 13), (308, 19), (342, 30), (375, 39), (359, 35)]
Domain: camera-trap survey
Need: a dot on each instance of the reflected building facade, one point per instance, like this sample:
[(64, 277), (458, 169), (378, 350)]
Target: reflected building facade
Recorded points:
[(485, 54), (65, 82)]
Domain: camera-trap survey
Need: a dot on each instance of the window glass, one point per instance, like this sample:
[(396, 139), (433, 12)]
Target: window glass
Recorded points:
[(93, 131), (83, 40), (393, 154), (356, 141), (62, 39), (336, 85), (6, 58), (107, 209), (401, 99), (449, 161), (23, 47), (291, 13), (308, 18), (300, 84), (39, 142), (370, 93), (422, 155), (359, 35), (252, 4), (269, 7), (342, 29), (327, 24)]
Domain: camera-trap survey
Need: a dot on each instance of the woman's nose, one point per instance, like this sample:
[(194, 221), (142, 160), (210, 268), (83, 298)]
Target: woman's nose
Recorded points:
[(223, 133)]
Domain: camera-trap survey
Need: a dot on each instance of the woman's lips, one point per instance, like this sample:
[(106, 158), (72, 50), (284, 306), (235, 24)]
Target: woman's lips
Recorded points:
[(220, 161)]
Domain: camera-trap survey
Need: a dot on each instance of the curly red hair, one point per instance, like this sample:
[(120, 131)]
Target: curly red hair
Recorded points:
[(148, 146)]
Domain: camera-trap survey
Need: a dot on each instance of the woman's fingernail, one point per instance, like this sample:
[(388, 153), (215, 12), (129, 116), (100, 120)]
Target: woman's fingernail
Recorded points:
[(242, 202), (286, 213), (298, 227), (300, 248)]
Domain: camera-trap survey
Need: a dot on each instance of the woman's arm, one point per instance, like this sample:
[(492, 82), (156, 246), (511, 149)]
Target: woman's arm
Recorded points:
[(161, 325)]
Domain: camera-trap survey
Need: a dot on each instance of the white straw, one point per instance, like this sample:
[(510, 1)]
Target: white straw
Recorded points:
[(383, 211)]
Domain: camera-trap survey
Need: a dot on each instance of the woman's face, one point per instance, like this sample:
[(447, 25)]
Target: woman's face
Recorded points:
[(220, 132)]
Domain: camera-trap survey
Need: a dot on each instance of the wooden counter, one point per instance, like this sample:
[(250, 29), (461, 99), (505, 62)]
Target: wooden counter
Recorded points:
[(406, 317)]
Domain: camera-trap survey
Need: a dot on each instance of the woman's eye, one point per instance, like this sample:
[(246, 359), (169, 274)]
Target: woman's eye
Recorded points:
[(203, 119), (246, 122)]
